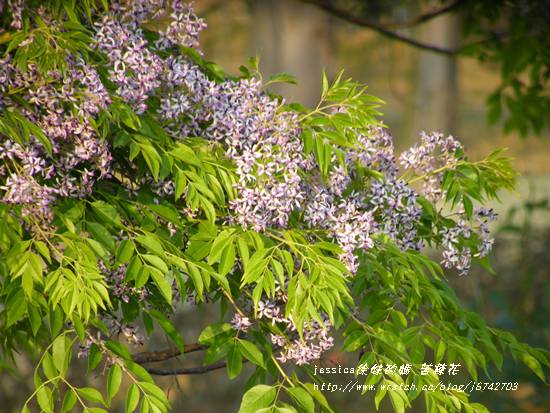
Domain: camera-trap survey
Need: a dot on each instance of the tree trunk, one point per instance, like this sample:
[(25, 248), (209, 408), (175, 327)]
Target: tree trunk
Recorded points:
[(436, 86), (292, 37)]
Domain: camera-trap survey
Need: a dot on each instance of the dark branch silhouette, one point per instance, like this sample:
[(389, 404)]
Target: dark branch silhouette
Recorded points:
[(187, 371), (424, 17), (384, 30), (163, 355), (184, 371)]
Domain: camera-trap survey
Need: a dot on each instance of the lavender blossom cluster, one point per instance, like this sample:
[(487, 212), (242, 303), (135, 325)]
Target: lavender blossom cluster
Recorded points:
[(66, 105), (15, 8), (63, 106), (433, 152), (115, 279), (384, 206), (290, 347), (260, 137), (427, 160)]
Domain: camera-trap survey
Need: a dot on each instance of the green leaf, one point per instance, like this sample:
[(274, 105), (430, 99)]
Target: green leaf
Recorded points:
[(282, 78), (157, 262), (234, 361), (256, 398), (16, 307), (119, 349), (97, 247), (124, 252), (440, 351), (251, 352), (154, 391), (325, 84), (213, 331), (380, 394), (91, 394), (152, 158), (185, 154), (283, 409), (43, 250), (68, 401), (303, 398), (164, 287), (145, 406), (218, 246), (169, 328), (317, 395), (94, 357), (132, 398), (244, 253), (48, 366), (227, 259), (181, 183), (113, 381), (59, 352), (138, 371), (142, 276), (35, 319), (44, 398), (396, 401), (107, 213), (27, 281), (355, 340), (196, 276), (533, 364), (101, 234), (149, 242)]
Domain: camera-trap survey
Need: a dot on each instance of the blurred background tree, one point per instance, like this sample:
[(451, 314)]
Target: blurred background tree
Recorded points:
[(515, 35)]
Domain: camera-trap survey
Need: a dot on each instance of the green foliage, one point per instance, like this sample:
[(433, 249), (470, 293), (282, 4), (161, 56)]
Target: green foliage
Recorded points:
[(515, 36)]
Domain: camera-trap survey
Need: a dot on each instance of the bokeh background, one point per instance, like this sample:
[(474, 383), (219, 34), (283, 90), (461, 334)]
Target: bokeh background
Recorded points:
[(422, 91)]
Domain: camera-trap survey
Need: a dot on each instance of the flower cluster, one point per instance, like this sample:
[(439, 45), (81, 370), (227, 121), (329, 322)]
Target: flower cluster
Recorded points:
[(261, 138), (388, 206), (315, 342), (117, 285), (315, 339), (16, 9), (427, 158), (453, 255), (483, 216), (35, 174), (310, 347), (184, 27), (135, 69), (348, 220), (240, 322), (397, 211)]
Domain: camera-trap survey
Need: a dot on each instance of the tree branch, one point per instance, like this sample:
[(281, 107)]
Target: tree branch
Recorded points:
[(382, 29), (163, 355), (424, 17), (187, 371)]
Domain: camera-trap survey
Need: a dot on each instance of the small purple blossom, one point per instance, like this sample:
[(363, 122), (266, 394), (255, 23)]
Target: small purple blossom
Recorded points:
[(240, 322)]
